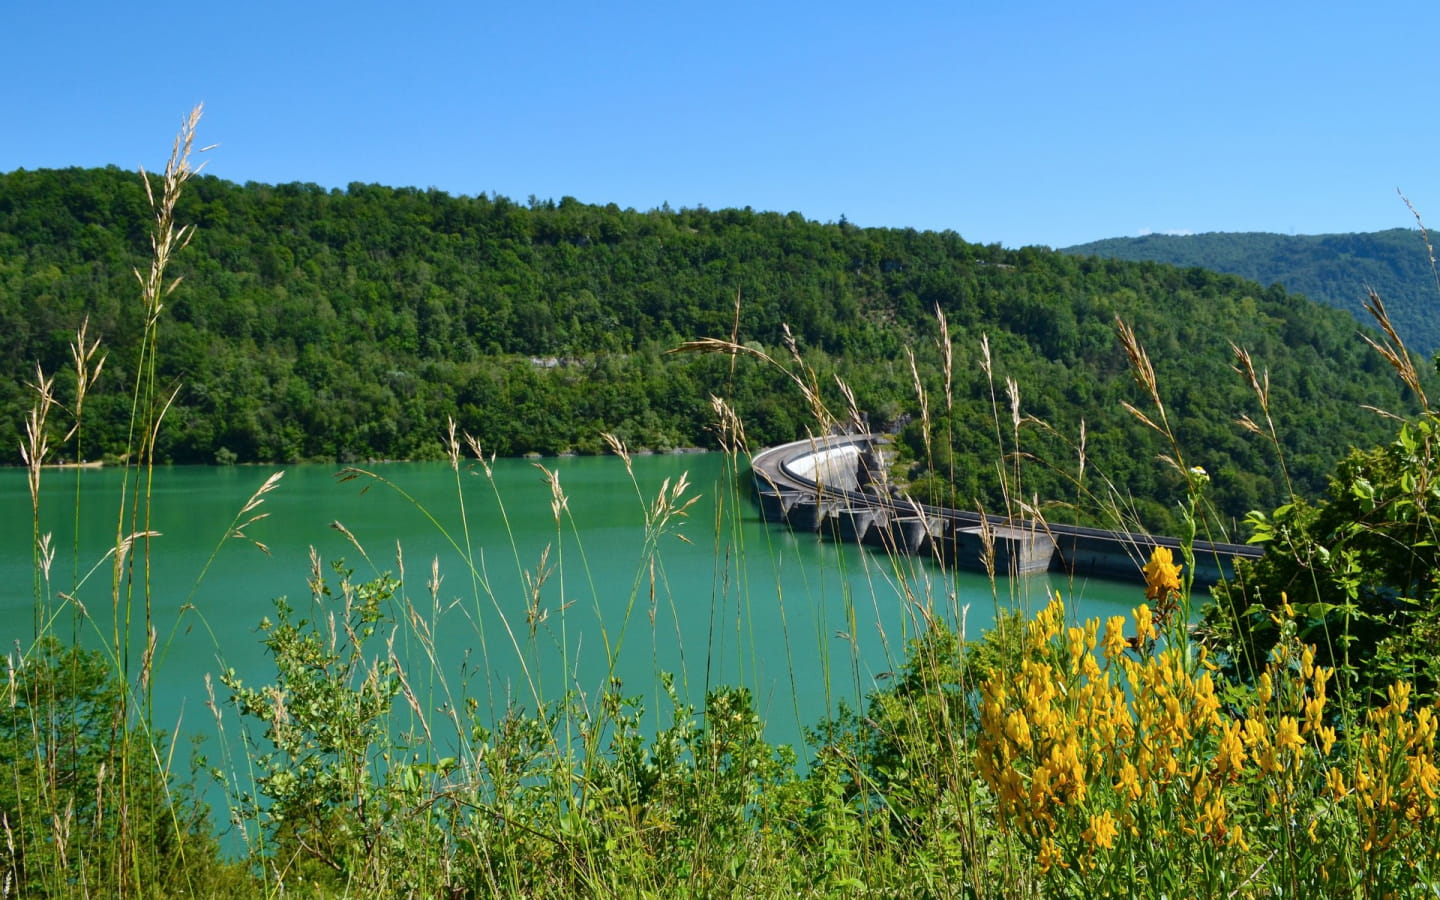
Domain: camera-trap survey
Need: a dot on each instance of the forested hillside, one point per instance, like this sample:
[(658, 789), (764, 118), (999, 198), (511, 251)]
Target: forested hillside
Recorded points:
[(1334, 269), (321, 324)]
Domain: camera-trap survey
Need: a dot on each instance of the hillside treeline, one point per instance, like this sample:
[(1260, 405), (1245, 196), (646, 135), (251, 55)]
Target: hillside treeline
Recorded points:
[(1334, 269), (339, 325)]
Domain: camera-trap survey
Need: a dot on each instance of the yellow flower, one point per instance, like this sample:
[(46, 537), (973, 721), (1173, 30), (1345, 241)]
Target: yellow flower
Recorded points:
[(1102, 831), (1285, 614), (1266, 690), (1399, 696), (1144, 623), (1335, 780), (1129, 783), (1047, 624), (1075, 644), (1423, 778), (1017, 729), (1050, 855), (1162, 574), (1206, 661), (1212, 818), (1114, 637), (1287, 734), (1230, 755)]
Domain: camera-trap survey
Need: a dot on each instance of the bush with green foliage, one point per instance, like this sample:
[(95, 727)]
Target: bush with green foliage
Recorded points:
[(1360, 567), (85, 811)]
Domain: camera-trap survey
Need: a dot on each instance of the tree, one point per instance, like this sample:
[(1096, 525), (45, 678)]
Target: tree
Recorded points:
[(1360, 568)]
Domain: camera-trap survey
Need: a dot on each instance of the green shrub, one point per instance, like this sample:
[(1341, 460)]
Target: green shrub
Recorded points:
[(85, 812), (1360, 567)]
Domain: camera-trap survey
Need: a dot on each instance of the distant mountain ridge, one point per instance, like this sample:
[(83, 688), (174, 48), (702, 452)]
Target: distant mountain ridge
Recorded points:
[(1334, 269)]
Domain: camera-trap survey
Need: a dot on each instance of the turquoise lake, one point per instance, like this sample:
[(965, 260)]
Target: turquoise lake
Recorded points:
[(717, 598)]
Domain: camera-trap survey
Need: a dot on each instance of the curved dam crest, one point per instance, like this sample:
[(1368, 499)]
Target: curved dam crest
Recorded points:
[(836, 487)]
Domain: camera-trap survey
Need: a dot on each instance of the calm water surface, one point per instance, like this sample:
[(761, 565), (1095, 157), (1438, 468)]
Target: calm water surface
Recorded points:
[(717, 598)]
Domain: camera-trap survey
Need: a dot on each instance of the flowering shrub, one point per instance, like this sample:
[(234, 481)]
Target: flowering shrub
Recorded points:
[(1123, 766)]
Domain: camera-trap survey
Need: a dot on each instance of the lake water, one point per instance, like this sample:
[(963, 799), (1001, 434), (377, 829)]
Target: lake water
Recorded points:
[(718, 598)]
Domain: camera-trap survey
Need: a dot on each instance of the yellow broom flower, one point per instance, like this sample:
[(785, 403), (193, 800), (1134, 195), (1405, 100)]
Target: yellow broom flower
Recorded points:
[(1162, 574), (1050, 855), (1114, 637), (1287, 735), (1102, 831)]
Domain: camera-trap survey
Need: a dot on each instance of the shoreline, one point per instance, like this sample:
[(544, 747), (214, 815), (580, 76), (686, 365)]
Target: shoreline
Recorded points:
[(99, 464)]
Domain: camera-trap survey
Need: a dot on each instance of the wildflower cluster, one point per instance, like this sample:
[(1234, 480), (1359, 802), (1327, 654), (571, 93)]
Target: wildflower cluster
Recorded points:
[(1104, 751), (1162, 585), (1394, 783)]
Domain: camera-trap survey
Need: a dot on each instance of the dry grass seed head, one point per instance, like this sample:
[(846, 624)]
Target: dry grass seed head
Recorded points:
[(87, 369), (349, 536), (124, 545), (559, 503), (1012, 391), (1424, 236), (947, 357), (1140, 367), (809, 385), (432, 584), (147, 660), (452, 444), (1249, 425), (256, 499), (1140, 415), (987, 545), (534, 587), (920, 394), (166, 239), (316, 580), (732, 430), (618, 447), (852, 409), (1260, 384), (47, 554), (1393, 349), (485, 462), (36, 447)]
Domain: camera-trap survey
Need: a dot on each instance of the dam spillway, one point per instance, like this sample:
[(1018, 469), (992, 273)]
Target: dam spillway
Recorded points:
[(835, 487)]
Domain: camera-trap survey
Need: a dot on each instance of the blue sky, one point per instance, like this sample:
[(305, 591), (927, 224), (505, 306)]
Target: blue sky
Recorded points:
[(1011, 122)]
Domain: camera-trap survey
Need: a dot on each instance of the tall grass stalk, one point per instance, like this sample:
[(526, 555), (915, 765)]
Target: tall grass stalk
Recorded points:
[(87, 805), (147, 411)]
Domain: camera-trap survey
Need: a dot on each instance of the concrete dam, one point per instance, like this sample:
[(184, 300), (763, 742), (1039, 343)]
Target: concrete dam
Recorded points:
[(836, 487)]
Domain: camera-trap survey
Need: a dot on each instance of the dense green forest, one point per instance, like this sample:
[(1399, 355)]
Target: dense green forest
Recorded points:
[(1334, 269), (339, 325)]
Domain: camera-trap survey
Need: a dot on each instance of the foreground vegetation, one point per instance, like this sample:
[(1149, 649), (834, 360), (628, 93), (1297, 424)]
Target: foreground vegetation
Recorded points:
[(1265, 753)]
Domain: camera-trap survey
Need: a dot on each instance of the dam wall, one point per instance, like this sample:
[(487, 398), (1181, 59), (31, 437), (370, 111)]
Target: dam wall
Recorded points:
[(834, 468), (835, 487)]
